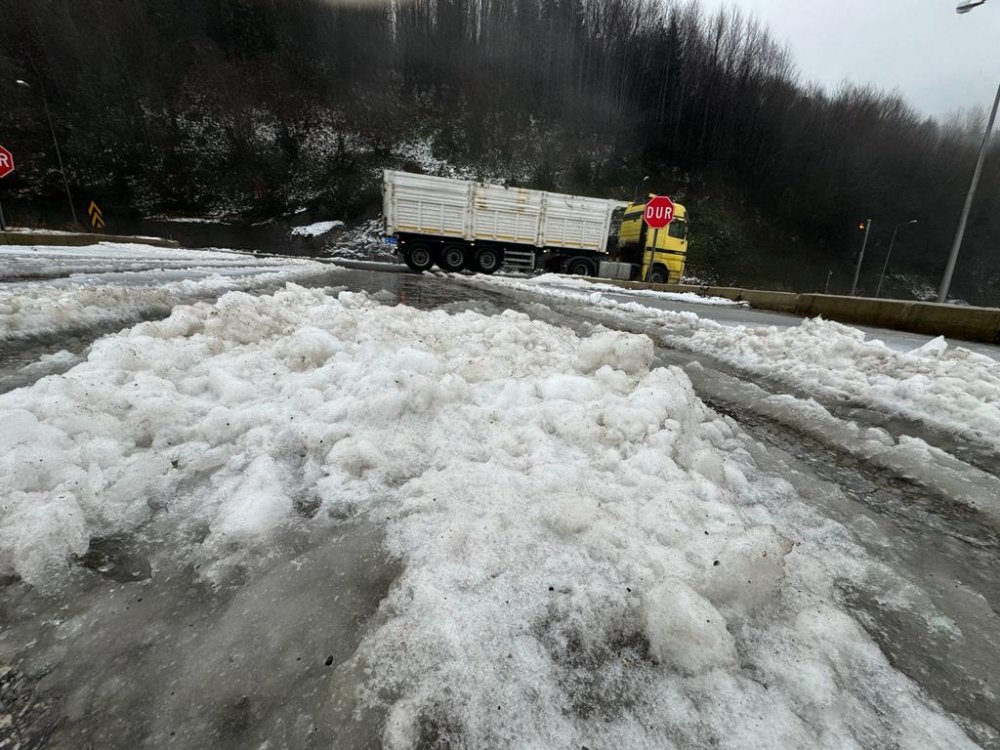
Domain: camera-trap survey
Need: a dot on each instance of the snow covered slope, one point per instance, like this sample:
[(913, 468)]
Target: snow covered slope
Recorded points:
[(590, 556)]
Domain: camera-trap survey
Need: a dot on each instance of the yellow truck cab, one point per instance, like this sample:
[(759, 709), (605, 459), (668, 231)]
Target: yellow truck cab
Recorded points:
[(635, 240)]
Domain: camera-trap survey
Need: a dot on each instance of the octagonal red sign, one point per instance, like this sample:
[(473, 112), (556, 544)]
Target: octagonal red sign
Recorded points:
[(6, 162), (659, 212)]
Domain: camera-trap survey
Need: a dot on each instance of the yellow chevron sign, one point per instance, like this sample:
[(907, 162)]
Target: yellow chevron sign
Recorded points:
[(96, 217)]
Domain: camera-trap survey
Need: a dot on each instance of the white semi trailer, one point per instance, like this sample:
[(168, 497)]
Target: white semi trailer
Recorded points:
[(458, 224)]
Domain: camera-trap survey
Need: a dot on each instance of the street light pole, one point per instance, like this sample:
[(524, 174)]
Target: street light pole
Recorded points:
[(949, 268), (637, 186), (960, 234), (55, 142), (861, 257), (889, 254)]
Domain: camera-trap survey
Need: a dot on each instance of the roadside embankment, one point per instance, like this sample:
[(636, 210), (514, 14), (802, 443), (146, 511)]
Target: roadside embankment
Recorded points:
[(78, 239), (954, 321)]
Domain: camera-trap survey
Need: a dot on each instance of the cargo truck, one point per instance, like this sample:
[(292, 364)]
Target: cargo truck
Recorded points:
[(459, 224)]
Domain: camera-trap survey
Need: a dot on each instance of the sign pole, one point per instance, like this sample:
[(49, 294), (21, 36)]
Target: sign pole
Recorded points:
[(6, 167), (659, 212), (652, 256)]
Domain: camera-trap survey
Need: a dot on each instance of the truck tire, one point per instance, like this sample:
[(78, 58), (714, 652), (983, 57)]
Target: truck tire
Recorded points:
[(418, 257), (488, 260), (659, 275), (579, 267), (453, 258)]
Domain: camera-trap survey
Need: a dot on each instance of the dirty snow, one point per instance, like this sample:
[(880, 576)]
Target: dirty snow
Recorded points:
[(317, 229), (60, 288), (187, 220), (590, 556), (942, 384), (560, 281), (36, 230), (42, 261)]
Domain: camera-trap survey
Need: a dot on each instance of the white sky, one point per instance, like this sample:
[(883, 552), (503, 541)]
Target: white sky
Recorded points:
[(938, 60)]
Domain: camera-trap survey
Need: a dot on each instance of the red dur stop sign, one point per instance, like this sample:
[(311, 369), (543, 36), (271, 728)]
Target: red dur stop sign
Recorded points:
[(659, 212), (6, 162)]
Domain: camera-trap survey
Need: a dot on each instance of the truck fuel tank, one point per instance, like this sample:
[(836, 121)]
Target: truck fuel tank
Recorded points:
[(610, 270)]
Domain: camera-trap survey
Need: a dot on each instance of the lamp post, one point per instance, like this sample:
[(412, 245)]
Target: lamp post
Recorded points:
[(889, 254), (55, 142), (637, 186), (861, 256), (949, 268)]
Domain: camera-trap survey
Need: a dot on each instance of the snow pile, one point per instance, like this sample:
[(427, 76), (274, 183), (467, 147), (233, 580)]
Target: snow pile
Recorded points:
[(950, 388), (187, 220), (317, 229), (14, 376), (41, 261), (590, 555), (581, 285), (947, 387), (38, 230), (122, 283)]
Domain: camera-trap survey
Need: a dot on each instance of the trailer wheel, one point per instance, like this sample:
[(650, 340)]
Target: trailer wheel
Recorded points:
[(453, 258), (418, 257), (659, 275), (579, 267), (488, 260)]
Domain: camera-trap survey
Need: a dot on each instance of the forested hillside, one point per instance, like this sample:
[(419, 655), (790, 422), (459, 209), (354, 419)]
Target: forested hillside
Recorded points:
[(259, 107)]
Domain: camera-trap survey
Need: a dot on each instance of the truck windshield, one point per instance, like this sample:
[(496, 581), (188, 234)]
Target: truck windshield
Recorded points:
[(677, 228)]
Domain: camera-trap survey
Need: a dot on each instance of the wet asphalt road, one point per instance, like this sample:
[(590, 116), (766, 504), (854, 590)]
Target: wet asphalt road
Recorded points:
[(948, 551)]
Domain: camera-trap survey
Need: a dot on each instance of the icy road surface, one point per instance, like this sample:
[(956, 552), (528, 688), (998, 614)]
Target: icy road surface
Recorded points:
[(55, 300), (730, 313), (473, 513)]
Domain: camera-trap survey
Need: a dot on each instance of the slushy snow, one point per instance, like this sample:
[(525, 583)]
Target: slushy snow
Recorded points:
[(590, 556), (56, 261), (108, 283), (945, 386), (317, 229), (560, 281)]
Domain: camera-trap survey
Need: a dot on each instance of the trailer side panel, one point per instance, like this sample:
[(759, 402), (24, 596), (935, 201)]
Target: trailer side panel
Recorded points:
[(478, 212), (508, 215), (421, 204), (571, 221)]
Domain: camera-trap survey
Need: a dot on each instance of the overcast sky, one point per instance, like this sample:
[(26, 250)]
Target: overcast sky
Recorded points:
[(938, 60)]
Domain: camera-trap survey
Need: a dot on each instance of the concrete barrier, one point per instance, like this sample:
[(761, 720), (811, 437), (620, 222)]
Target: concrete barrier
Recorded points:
[(79, 239), (781, 301), (953, 321)]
